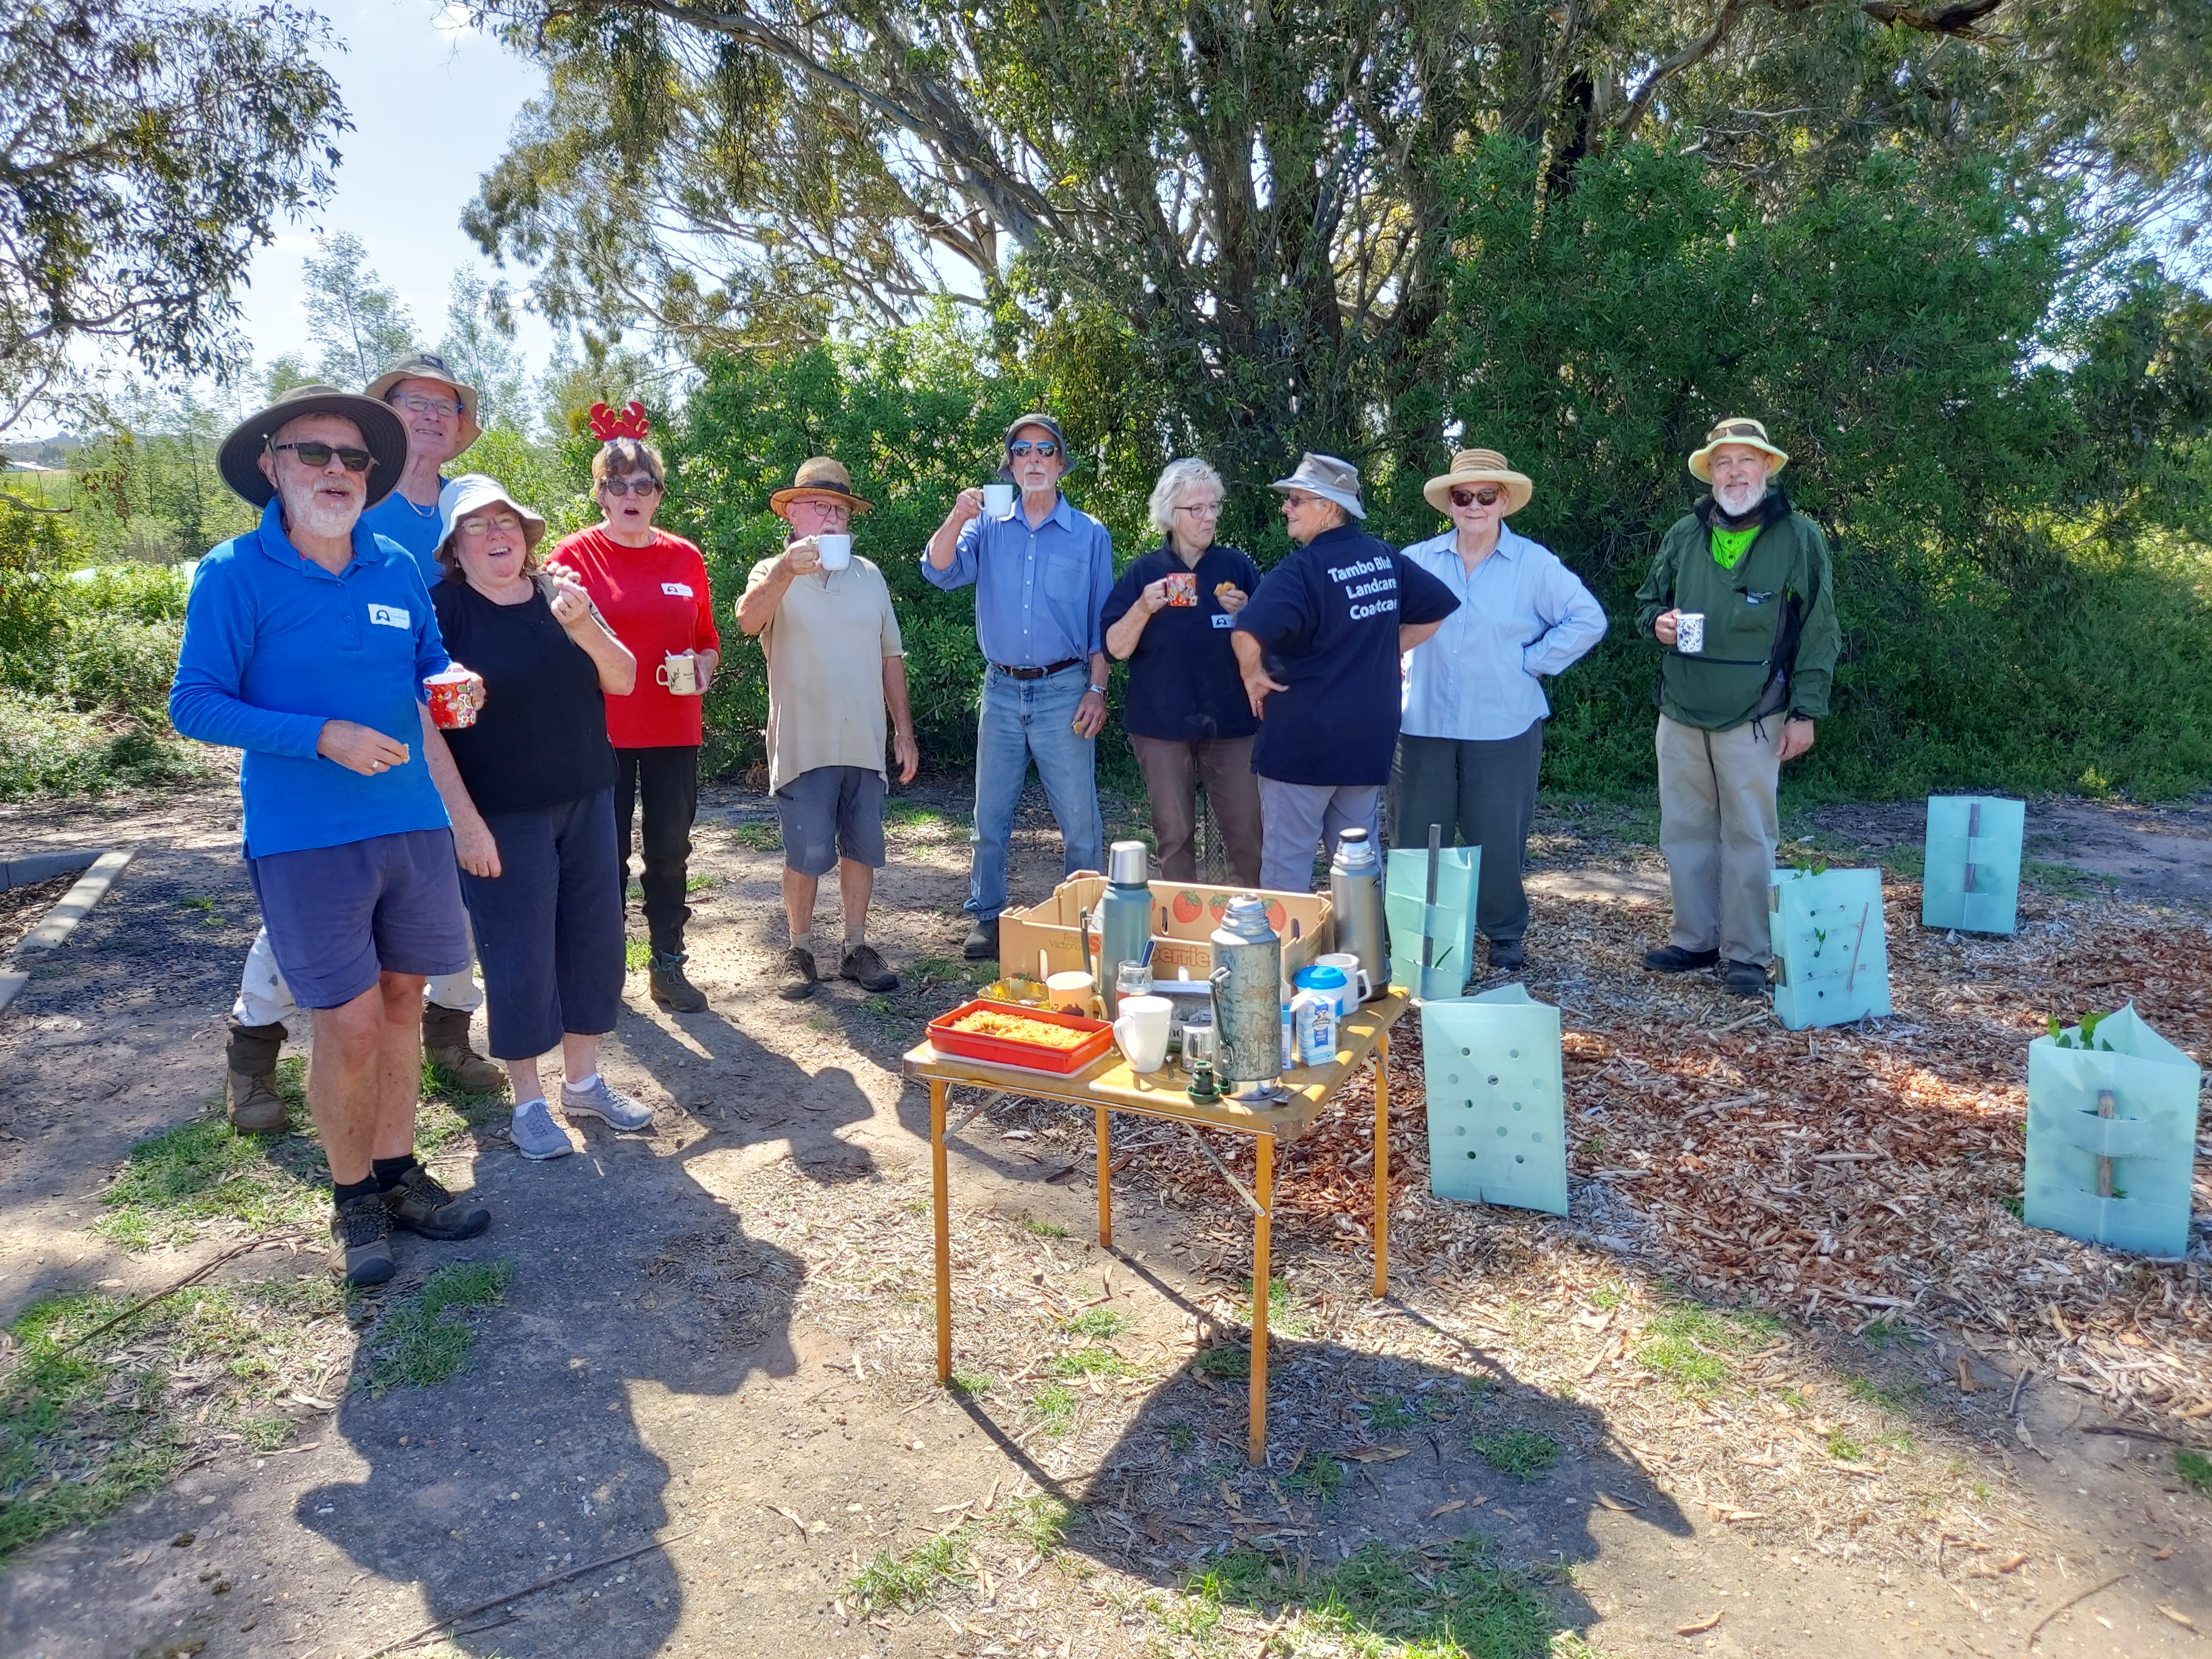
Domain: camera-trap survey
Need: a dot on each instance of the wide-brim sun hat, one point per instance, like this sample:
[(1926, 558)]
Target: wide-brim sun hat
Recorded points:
[(1474, 466), (1328, 476), (1736, 429), (382, 434), (429, 365), (823, 479), (472, 492)]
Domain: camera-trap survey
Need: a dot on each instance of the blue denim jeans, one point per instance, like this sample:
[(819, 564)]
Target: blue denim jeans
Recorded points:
[(1021, 721)]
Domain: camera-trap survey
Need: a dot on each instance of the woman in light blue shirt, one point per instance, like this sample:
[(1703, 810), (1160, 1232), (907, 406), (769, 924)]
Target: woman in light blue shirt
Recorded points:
[(1472, 740)]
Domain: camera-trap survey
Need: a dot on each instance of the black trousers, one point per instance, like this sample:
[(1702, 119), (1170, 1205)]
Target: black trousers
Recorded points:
[(551, 926), (1487, 793), (667, 780)]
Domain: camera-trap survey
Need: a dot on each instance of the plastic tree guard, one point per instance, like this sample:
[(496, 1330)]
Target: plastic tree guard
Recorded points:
[(1972, 878), (1498, 1100), (1828, 939), (1450, 920), (2111, 1138)]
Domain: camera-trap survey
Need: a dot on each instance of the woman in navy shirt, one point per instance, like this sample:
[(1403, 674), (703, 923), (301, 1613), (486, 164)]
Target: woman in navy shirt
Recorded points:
[(1187, 714)]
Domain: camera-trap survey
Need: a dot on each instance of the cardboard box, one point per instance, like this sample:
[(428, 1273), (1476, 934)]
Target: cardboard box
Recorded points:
[(1184, 915)]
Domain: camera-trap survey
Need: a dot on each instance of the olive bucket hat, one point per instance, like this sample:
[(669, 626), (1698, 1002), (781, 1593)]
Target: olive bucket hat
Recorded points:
[(429, 365), (381, 434)]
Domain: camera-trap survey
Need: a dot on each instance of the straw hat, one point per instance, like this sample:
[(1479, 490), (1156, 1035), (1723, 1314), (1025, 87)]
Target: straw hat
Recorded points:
[(1474, 466), (429, 365), (1326, 476), (820, 478), (1736, 429), (239, 460)]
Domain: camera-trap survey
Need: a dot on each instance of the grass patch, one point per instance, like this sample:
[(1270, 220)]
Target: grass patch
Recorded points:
[(1521, 1453), (1055, 1407), (1321, 1476), (1692, 1346), (950, 970), (449, 1112), (174, 1184), (1043, 1229), (1890, 1396), (2195, 1469), (1388, 1412), (1844, 1449), (1096, 1321), (1226, 1362), (912, 814), (637, 955), (971, 1383), (894, 1581), (424, 1340), (1179, 1435), (1041, 1521), (1460, 1602), (1089, 1362), (1289, 1314), (84, 1428), (766, 836), (2064, 880)]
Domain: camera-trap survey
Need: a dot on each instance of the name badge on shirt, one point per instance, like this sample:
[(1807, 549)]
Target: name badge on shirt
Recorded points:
[(677, 590), (390, 615), (1223, 619)]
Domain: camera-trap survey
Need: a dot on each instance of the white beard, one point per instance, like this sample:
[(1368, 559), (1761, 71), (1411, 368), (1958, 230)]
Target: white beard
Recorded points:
[(1737, 500), (313, 517)]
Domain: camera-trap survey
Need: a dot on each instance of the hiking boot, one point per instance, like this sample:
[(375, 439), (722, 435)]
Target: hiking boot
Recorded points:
[(536, 1135), (602, 1100), (249, 1086), (664, 979), (420, 1204), (1674, 959), (981, 943), (867, 970), (800, 979), (1744, 979), (360, 1241), (1506, 955), (446, 1045)]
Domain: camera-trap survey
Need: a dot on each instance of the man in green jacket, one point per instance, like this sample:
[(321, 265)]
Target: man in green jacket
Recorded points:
[(1741, 596)]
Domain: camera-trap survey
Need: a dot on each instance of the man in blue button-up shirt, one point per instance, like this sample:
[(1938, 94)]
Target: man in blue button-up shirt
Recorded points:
[(1472, 737), (1041, 571)]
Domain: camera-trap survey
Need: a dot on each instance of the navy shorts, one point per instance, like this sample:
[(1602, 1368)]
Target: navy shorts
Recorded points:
[(339, 915), (830, 813)]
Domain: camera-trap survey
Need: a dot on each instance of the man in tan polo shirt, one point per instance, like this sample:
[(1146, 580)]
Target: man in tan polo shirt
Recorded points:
[(822, 614)]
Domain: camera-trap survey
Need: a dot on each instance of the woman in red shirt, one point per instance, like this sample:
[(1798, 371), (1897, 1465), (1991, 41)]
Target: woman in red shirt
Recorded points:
[(650, 587)]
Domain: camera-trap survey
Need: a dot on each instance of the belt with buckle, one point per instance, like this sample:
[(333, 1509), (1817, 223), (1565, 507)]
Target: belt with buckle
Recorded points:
[(1036, 673)]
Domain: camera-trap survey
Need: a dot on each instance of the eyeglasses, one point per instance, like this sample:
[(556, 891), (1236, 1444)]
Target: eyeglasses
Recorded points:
[(1486, 495), (1200, 509), (318, 456), (1043, 447), (417, 403), (507, 521), (630, 486)]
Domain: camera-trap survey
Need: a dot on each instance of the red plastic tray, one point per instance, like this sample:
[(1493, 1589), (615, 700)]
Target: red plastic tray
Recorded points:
[(1003, 1051)]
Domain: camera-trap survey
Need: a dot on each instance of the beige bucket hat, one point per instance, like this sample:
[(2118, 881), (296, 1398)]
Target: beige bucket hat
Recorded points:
[(429, 365), (381, 434), (1734, 429), (1474, 466)]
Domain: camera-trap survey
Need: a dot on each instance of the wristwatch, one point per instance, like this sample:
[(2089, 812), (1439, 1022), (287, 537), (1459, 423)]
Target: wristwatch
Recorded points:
[(1100, 689)]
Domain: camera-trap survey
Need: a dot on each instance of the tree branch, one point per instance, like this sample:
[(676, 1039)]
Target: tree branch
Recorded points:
[(1696, 53)]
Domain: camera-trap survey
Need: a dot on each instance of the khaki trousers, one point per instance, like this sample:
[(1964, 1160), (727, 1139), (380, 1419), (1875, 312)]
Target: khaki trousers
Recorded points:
[(1718, 829)]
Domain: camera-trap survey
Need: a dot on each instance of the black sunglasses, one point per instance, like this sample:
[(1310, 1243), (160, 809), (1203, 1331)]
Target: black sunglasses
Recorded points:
[(1487, 495), (319, 455), (1044, 446)]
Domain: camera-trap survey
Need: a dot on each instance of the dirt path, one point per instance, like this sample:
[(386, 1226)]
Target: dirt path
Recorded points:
[(717, 1337)]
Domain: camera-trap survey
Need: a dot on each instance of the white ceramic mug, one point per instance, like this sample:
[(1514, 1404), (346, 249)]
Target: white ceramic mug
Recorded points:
[(680, 674), (1690, 632), (1361, 982), (836, 551), (1141, 1031), (998, 499), (1071, 992)]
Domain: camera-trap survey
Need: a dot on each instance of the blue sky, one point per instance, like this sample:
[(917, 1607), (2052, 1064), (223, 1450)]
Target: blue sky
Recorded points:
[(432, 104)]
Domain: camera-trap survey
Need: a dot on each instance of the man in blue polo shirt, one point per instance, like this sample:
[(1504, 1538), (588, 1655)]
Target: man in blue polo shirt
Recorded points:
[(439, 416), (306, 643), (1041, 572), (1319, 648)]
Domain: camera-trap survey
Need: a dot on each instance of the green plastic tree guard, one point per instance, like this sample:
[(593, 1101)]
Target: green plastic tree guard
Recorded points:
[(1972, 878), (1829, 945), (1498, 1100), (2111, 1138), (1451, 921)]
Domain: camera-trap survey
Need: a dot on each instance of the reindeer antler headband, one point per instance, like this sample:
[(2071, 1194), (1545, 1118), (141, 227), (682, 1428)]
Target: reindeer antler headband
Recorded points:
[(607, 425)]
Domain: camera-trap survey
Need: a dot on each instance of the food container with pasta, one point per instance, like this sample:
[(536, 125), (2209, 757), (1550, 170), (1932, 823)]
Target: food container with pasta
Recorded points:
[(1008, 1034)]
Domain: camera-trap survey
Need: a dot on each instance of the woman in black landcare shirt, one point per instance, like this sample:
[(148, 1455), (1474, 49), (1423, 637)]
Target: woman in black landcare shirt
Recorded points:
[(1185, 709), (530, 788)]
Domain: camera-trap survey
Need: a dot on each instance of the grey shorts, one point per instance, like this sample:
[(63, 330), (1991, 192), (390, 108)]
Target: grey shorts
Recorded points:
[(832, 812), (339, 915)]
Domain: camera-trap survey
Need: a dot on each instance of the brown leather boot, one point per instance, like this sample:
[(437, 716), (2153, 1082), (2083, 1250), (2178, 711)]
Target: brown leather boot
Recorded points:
[(446, 1045), (249, 1088)]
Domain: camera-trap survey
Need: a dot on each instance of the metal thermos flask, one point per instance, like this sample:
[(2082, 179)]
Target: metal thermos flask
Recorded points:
[(1355, 897), (1248, 978), (1123, 917)]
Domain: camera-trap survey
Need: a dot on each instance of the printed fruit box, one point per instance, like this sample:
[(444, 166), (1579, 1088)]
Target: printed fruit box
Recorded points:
[(1183, 916)]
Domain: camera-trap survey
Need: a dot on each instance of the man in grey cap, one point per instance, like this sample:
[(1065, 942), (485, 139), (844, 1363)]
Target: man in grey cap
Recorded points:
[(438, 414), (1041, 572), (1318, 648)]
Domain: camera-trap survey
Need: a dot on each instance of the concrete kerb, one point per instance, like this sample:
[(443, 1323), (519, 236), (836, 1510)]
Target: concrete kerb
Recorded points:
[(60, 921), (44, 866)]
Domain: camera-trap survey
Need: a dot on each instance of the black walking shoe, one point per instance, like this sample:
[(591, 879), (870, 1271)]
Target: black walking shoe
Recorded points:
[(1674, 959), (1744, 979), (1506, 955), (800, 979), (867, 969), (421, 1204), (360, 1241), (982, 942), (664, 979)]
